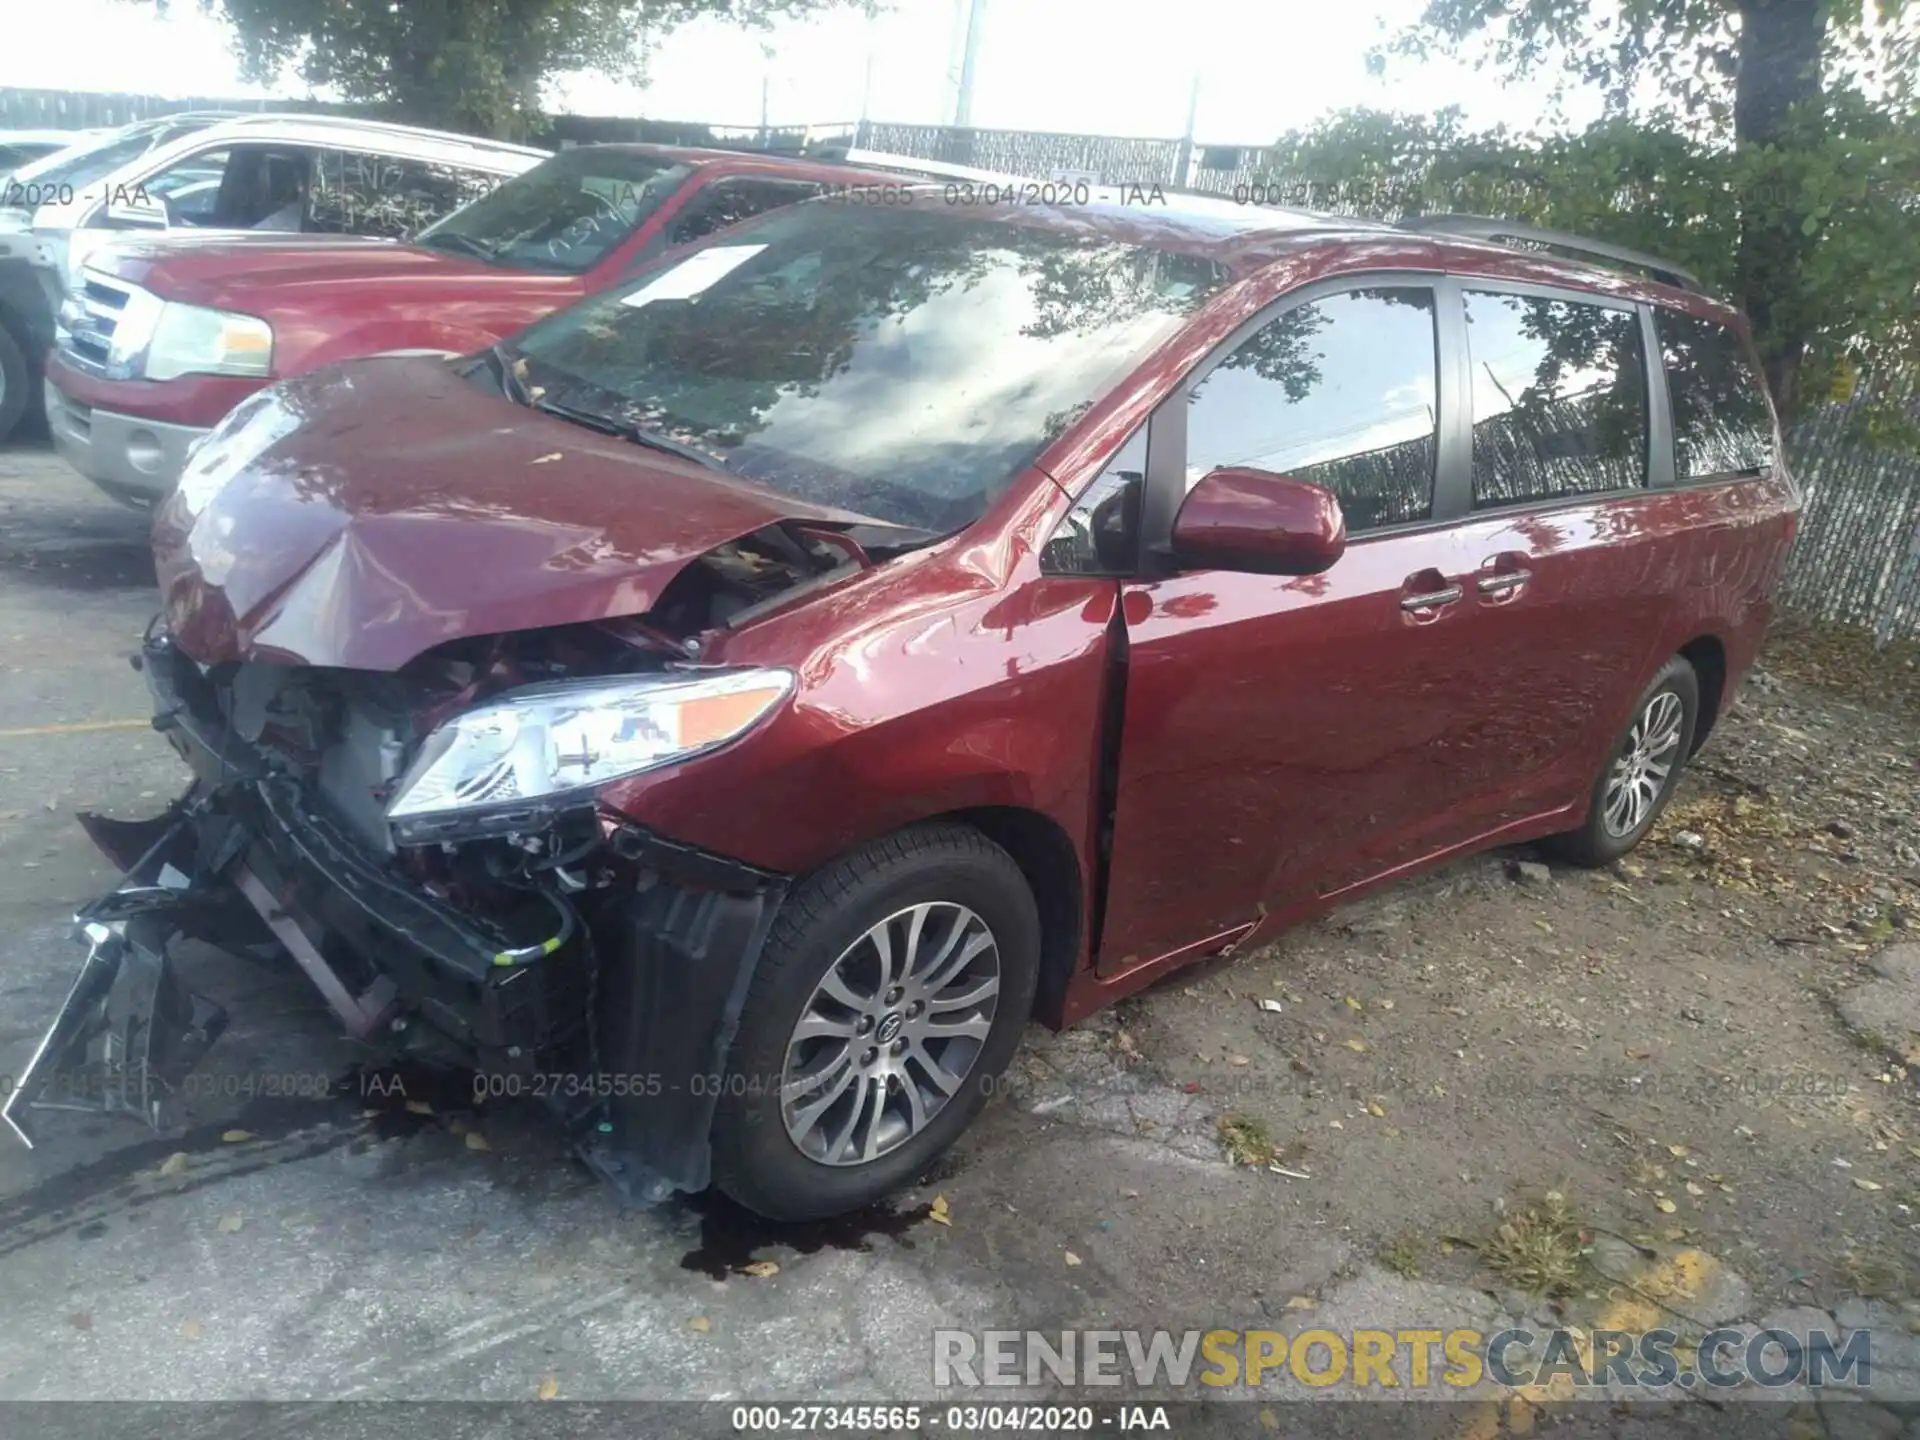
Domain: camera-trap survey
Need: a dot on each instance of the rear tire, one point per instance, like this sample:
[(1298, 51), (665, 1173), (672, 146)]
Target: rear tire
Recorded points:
[(1640, 772), (894, 1029), (16, 382)]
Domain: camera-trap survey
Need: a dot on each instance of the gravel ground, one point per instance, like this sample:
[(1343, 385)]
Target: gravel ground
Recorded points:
[(1701, 1052)]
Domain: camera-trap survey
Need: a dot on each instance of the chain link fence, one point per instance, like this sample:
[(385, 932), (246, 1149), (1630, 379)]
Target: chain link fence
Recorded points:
[(1857, 561)]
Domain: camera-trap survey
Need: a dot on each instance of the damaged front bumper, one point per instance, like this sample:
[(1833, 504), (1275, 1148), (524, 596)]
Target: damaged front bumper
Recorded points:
[(619, 1010)]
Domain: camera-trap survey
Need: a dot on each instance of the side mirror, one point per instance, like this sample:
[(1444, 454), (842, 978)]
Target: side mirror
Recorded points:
[(1239, 518)]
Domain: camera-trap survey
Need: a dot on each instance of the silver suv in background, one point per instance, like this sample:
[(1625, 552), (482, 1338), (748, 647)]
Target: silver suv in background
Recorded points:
[(203, 174), (292, 173)]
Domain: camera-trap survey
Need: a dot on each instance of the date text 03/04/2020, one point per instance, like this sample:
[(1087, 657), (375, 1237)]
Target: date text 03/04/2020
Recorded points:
[(956, 1419)]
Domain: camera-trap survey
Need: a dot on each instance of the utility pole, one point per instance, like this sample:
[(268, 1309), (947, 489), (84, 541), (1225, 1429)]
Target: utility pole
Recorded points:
[(969, 58), (1183, 166), (766, 78), (866, 80)]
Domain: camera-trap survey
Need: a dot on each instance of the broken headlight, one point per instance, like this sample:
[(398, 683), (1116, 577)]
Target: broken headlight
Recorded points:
[(570, 738)]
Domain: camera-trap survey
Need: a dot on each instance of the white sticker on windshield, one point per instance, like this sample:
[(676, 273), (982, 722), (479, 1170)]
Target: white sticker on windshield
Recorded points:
[(693, 275)]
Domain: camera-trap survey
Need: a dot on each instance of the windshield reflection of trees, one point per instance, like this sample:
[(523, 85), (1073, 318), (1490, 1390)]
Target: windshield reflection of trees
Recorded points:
[(709, 371)]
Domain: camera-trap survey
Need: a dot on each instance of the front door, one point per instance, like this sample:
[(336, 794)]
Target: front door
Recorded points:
[(1280, 734)]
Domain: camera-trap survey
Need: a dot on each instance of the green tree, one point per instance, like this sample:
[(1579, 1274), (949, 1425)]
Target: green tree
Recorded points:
[(1770, 144), (472, 65)]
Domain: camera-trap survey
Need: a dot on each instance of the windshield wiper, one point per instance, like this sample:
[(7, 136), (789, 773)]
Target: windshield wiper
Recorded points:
[(451, 240), (638, 434), (510, 382)]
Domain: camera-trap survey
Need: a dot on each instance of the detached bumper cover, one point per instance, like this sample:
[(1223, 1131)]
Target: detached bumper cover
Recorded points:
[(245, 859), (129, 1031)]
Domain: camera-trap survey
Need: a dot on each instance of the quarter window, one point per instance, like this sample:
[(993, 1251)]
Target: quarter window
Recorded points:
[(1341, 392), (1559, 398), (1100, 535), (1721, 425)]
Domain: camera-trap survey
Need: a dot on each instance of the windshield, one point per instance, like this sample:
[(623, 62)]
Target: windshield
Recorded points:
[(80, 165), (903, 362), (565, 214)]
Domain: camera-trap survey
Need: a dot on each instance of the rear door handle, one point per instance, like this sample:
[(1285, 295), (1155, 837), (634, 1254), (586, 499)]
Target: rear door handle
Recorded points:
[(1431, 599), (1502, 576)]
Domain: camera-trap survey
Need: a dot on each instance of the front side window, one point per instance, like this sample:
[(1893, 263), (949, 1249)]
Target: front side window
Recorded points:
[(1340, 392), (1721, 425), (240, 187), (191, 189), (566, 214), (1559, 398), (903, 363), (727, 202), (355, 193)]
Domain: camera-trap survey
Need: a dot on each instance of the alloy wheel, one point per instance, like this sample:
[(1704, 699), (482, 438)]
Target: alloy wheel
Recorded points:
[(1640, 771), (890, 1033)]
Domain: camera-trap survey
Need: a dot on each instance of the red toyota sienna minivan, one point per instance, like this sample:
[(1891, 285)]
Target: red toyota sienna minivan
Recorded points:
[(730, 709)]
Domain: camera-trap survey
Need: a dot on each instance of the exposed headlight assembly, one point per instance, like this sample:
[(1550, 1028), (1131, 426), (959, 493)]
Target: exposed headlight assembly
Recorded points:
[(501, 765)]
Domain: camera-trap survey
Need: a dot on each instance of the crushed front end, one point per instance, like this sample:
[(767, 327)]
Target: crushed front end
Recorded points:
[(545, 941)]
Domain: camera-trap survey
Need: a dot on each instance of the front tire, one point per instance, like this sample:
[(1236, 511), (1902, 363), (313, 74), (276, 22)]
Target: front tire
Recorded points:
[(890, 996), (16, 382), (1641, 771)]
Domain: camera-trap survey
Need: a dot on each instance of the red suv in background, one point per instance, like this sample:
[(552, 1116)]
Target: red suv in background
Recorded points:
[(733, 707), (161, 338)]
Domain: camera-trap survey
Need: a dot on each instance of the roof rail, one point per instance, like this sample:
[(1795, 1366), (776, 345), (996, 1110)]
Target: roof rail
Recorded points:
[(1484, 227), (355, 123)]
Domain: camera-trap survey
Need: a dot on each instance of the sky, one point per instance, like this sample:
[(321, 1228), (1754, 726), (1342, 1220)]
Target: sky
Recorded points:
[(1263, 66)]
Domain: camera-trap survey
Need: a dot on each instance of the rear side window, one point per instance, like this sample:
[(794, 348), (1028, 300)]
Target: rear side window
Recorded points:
[(1559, 398), (726, 202), (1340, 392), (354, 193), (1721, 425)]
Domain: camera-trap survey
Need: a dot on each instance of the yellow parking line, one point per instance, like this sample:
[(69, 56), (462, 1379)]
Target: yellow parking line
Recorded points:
[(76, 728)]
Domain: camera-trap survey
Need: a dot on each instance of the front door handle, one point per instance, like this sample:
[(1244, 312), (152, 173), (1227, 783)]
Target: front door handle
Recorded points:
[(1431, 599)]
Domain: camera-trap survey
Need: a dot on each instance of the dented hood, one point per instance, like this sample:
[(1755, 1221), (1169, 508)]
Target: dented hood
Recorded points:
[(362, 514)]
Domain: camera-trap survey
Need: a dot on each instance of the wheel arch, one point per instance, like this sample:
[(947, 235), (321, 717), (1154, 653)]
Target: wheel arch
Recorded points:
[(1708, 656), (1046, 858)]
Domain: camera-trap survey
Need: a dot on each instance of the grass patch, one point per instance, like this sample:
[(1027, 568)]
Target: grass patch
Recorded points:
[(1404, 1254), (1540, 1248), (1247, 1141)]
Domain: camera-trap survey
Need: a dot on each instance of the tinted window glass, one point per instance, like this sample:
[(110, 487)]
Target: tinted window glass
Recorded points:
[(1559, 398), (361, 194), (565, 214), (1340, 392), (1721, 424), (727, 202), (905, 363)]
